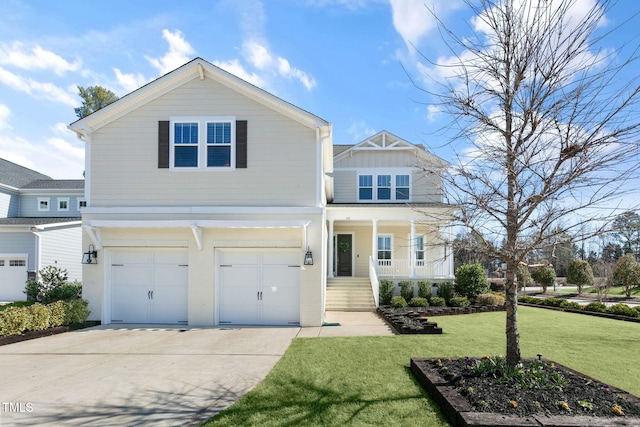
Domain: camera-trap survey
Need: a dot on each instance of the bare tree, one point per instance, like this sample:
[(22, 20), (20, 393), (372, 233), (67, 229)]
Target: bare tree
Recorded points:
[(549, 126)]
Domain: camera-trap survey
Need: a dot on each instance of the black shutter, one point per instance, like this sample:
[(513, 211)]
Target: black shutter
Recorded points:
[(163, 144), (241, 143)]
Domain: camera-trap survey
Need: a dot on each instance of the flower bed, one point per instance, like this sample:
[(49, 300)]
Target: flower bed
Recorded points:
[(472, 392)]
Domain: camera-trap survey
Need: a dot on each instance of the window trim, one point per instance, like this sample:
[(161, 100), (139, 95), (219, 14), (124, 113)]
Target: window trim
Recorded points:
[(202, 145), (390, 250), (80, 200), (63, 199), (46, 200)]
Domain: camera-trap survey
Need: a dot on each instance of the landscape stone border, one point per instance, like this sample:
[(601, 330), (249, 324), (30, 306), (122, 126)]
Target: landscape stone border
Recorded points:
[(460, 412), (29, 335), (588, 313)]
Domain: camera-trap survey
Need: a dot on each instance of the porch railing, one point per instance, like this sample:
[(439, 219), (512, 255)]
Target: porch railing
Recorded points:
[(417, 268)]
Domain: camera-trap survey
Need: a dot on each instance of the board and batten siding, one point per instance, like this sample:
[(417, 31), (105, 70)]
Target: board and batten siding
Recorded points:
[(281, 158), (62, 248)]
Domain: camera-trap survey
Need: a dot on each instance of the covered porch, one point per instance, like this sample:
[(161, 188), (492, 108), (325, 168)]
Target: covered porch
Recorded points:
[(389, 242)]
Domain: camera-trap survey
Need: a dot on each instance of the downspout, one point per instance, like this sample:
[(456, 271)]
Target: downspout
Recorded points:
[(38, 250)]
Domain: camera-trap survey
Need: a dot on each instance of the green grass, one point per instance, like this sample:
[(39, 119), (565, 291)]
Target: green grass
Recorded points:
[(615, 291), (362, 381)]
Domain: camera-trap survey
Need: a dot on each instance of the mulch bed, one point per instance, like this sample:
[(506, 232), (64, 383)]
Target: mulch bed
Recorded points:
[(415, 320), (468, 400), (29, 335)]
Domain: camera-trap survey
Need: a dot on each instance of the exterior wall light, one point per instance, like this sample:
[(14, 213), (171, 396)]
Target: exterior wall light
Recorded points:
[(308, 257), (91, 256)]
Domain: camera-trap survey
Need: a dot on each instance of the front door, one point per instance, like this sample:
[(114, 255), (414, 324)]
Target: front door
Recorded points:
[(344, 251)]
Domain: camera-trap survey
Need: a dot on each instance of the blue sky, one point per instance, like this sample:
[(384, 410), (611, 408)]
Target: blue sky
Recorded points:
[(350, 62)]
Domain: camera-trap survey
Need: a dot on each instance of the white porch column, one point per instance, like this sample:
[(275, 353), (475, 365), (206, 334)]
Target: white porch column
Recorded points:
[(412, 249), (374, 243), (331, 255)]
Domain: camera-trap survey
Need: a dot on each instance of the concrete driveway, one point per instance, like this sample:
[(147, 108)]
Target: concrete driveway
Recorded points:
[(134, 375)]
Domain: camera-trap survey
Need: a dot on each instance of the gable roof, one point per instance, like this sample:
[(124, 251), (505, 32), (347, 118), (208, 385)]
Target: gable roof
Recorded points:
[(386, 141), (197, 68), (16, 176), (55, 184)]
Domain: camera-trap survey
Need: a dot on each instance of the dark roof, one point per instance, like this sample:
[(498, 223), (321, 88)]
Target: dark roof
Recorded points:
[(36, 221), (55, 184), (17, 176)]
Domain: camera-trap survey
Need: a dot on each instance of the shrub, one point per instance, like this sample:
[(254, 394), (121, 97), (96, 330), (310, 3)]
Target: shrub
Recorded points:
[(637, 308), (406, 290), (545, 276), (523, 276), (491, 299), (437, 302), (598, 307), (57, 313), (398, 302), (38, 317), (470, 281), (419, 302), (424, 289), (386, 292), (63, 292), (622, 310), (78, 312), (571, 305), (459, 302), (529, 300), (552, 302), (13, 321), (16, 304), (627, 273), (445, 290)]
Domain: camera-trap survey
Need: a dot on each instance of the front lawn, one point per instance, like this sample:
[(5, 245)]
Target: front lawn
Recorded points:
[(366, 380)]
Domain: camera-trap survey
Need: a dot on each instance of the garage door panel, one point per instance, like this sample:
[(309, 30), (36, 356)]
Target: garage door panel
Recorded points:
[(259, 287), (149, 286), (12, 279)]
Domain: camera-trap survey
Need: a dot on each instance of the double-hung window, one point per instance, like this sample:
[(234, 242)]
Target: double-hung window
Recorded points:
[(202, 143), (402, 187), (419, 250), (384, 187), (365, 187), (384, 247)]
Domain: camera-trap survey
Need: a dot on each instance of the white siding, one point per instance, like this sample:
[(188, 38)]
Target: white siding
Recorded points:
[(281, 156), (345, 186), (63, 249)]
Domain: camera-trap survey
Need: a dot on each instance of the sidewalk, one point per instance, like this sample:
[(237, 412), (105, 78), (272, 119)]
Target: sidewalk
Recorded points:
[(348, 324)]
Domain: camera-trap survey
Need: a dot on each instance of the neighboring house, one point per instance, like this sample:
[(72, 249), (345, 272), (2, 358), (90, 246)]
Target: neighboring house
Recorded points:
[(204, 196), (40, 225)]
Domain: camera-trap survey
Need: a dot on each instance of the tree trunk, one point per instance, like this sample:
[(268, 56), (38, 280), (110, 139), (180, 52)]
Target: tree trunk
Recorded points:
[(513, 336)]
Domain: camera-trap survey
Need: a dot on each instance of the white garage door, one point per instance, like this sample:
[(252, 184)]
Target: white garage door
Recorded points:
[(149, 286), (13, 275), (259, 287)]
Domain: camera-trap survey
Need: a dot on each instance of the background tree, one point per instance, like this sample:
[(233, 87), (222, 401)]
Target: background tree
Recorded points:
[(603, 281), (579, 273), (627, 273), (93, 99), (523, 276), (626, 227), (544, 275), (548, 126)]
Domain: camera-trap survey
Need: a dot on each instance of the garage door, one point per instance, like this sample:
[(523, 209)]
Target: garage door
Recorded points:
[(13, 275), (259, 287), (149, 286)]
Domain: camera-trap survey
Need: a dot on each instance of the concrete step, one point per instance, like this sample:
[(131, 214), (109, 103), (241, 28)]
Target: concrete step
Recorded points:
[(349, 294)]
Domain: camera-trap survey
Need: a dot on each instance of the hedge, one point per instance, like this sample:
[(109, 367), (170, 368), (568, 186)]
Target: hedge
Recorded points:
[(37, 317)]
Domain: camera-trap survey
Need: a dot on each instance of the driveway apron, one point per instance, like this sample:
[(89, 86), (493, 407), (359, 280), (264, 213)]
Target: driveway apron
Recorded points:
[(134, 375)]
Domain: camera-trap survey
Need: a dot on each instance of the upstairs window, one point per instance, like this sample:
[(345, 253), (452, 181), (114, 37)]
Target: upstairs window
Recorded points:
[(402, 187), (203, 143), (365, 187), (43, 204), (63, 204), (384, 188)]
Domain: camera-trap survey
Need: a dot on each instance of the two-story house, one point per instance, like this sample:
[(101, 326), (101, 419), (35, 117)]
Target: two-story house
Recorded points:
[(207, 204), (40, 225)]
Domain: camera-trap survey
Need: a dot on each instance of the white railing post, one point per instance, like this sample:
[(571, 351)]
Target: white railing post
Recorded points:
[(375, 285)]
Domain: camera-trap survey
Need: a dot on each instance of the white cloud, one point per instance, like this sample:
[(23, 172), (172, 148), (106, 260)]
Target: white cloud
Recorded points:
[(259, 55), (177, 55), (5, 114), (129, 81), (54, 157), (359, 130), (234, 67), (36, 59), (37, 89)]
